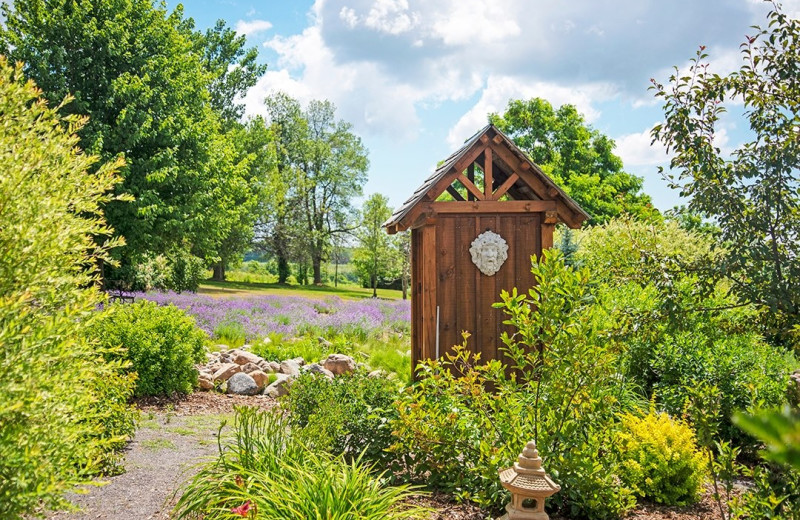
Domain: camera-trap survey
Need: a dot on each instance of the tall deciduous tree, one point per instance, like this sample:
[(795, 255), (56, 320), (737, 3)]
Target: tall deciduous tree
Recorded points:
[(753, 192), (136, 71), (322, 167), (578, 158), (374, 256)]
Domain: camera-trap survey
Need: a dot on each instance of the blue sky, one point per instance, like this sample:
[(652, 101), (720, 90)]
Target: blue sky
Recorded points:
[(416, 77)]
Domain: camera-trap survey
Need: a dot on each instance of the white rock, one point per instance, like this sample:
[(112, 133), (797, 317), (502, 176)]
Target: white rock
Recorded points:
[(290, 367)]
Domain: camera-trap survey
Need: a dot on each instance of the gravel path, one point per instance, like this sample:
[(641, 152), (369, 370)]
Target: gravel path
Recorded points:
[(173, 436)]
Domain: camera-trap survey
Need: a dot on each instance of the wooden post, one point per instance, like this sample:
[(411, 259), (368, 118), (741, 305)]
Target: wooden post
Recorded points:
[(488, 181), (549, 224)]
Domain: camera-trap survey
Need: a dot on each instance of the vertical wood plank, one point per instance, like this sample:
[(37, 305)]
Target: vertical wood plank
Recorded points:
[(428, 291), (487, 326), (506, 277), (416, 300), (446, 282), (488, 180), (547, 236), (465, 278)]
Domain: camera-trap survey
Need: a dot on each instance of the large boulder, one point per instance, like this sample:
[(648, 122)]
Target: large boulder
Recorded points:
[(290, 367), (205, 381), (339, 364), (225, 371), (316, 368), (242, 384), (242, 357), (280, 386), (261, 378)]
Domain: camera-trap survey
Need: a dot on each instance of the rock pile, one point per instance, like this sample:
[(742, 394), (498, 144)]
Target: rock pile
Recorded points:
[(244, 373)]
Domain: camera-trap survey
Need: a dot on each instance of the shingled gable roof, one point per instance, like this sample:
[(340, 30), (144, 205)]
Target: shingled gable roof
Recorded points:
[(532, 184)]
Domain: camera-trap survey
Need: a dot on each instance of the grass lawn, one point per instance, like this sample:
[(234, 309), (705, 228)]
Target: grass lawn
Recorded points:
[(239, 289)]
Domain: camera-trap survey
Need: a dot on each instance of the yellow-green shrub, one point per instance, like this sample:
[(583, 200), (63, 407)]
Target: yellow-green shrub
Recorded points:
[(62, 411), (660, 459)]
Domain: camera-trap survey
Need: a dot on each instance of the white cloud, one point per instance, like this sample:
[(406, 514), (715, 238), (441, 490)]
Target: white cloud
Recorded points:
[(499, 90), (251, 27), (636, 150), (382, 61)]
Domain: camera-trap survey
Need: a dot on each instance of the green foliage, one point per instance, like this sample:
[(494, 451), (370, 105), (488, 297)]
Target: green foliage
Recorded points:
[(752, 192), (577, 157), (779, 430), (349, 415), (321, 166), (681, 328), (563, 391), (267, 467), (230, 333), (143, 76), (177, 271), (162, 344), (660, 459), (374, 258), (54, 432)]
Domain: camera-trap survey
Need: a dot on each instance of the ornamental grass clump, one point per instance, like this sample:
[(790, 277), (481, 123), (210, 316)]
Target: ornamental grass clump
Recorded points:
[(660, 459), (266, 472)]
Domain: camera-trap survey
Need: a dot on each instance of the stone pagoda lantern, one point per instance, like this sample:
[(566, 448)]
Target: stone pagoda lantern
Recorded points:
[(529, 486)]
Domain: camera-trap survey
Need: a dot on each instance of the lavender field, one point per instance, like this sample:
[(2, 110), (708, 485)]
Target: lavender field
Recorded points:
[(289, 316)]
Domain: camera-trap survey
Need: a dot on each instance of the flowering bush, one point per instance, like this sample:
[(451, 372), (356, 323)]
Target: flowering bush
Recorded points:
[(660, 459)]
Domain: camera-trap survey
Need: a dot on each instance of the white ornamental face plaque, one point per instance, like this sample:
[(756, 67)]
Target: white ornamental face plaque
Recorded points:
[(489, 252)]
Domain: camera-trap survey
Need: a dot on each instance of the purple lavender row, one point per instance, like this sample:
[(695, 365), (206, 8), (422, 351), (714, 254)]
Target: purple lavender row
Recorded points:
[(290, 315)]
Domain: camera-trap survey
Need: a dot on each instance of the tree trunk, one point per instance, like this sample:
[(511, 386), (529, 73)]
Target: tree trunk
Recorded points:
[(219, 272), (404, 284), (317, 266), (374, 286), (283, 269)]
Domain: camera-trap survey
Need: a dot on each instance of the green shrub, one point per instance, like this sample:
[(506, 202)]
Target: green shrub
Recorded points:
[(268, 469), (349, 415), (465, 420), (747, 372), (660, 459), (176, 271), (162, 344), (113, 420), (53, 235)]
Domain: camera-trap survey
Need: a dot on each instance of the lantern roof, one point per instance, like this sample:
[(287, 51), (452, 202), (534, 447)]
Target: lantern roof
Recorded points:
[(527, 477)]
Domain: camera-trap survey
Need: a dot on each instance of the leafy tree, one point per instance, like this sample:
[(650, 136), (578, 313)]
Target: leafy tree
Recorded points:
[(322, 165), (752, 193), (281, 212), (374, 256), (577, 157), (234, 69), (136, 70), (52, 433)]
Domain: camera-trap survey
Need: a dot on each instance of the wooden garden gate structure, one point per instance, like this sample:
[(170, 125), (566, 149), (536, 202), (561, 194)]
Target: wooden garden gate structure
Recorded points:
[(487, 185)]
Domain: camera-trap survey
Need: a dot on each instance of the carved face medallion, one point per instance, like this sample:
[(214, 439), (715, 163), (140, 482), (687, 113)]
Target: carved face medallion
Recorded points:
[(489, 251)]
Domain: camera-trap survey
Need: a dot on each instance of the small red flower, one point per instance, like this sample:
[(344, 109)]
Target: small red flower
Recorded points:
[(751, 39), (702, 48), (242, 510)]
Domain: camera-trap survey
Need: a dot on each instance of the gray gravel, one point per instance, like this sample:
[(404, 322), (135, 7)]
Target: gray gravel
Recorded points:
[(162, 455)]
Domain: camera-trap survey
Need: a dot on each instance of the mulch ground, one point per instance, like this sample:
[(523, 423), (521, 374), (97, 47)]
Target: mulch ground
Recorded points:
[(201, 403)]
